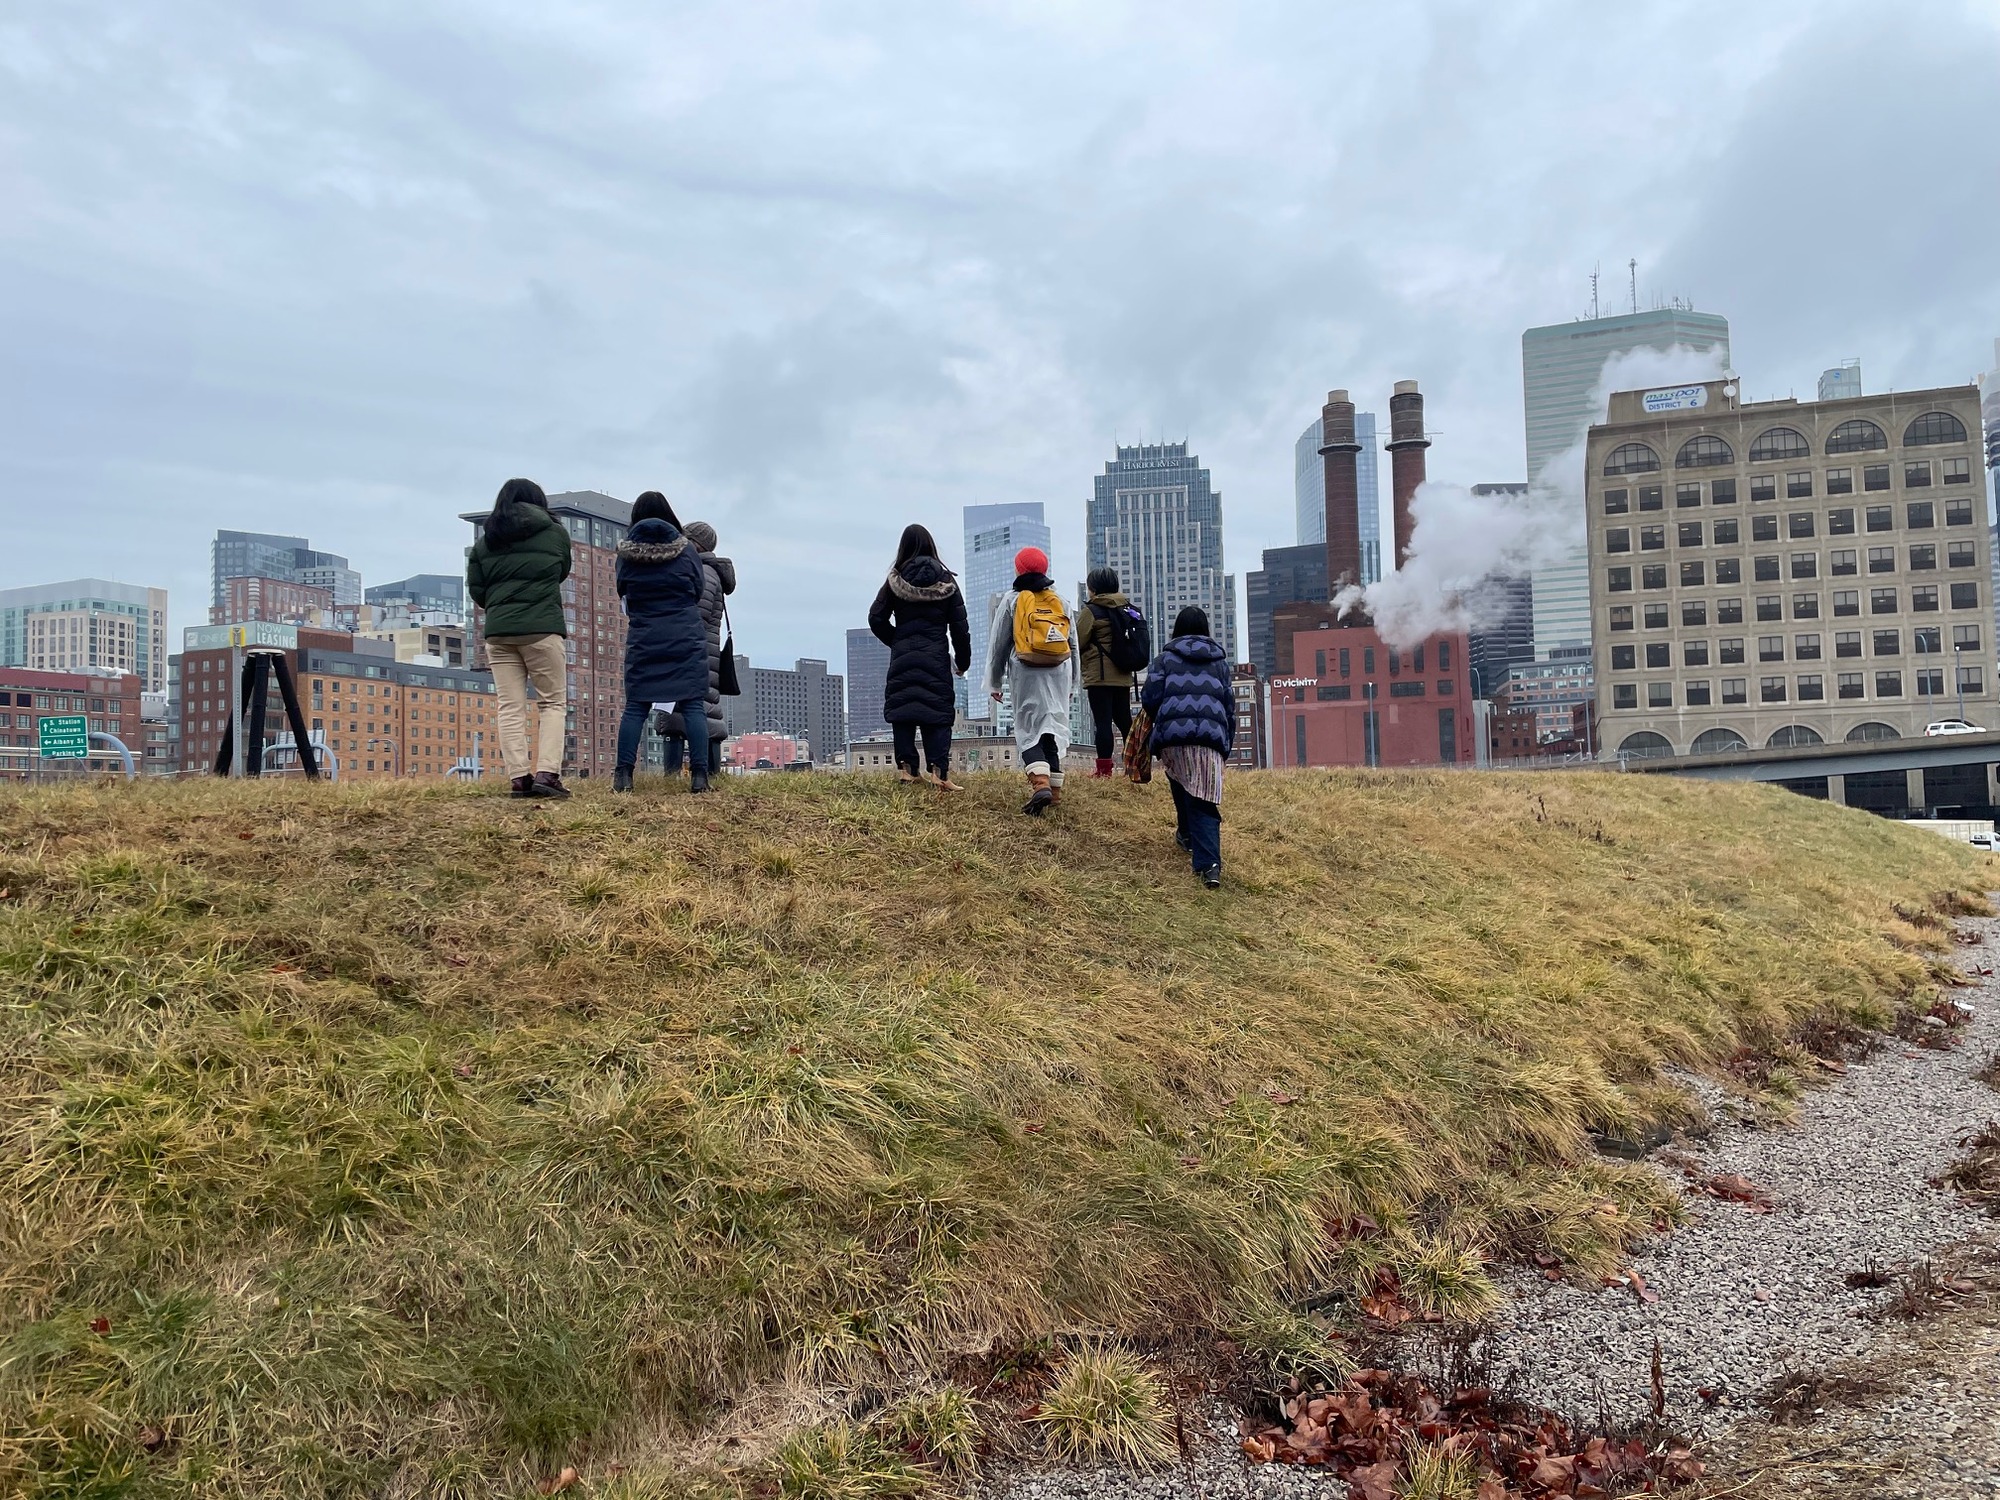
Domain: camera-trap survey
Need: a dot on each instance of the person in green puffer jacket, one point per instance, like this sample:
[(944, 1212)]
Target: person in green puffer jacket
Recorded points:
[(515, 575)]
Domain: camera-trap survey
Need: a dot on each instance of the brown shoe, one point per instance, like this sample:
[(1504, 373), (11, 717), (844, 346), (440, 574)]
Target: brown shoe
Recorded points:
[(548, 784), (1041, 796), (945, 784)]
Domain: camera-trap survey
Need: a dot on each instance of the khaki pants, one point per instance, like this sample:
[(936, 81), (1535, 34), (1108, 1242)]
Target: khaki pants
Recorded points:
[(518, 660)]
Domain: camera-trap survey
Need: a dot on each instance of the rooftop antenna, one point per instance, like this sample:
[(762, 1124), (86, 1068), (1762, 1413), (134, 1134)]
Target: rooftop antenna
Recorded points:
[(1632, 266), (1593, 293)]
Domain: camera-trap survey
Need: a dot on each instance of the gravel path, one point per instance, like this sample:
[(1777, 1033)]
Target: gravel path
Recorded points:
[(1744, 1298)]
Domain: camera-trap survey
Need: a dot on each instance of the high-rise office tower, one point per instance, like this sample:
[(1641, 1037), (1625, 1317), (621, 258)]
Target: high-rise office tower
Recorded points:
[(1158, 521), (867, 682), (86, 625), (1561, 369), (993, 534), (804, 701), (1840, 382), (1309, 491), (1290, 575), (1507, 639), (284, 559)]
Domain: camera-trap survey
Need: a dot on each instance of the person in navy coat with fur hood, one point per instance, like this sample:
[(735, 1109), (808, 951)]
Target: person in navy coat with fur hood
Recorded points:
[(1192, 708), (666, 640)]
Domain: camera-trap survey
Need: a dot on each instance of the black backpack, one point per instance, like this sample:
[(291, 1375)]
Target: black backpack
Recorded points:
[(1131, 647)]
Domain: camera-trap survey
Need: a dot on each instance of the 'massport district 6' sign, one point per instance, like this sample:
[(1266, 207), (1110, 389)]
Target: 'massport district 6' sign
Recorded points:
[(65, 737)]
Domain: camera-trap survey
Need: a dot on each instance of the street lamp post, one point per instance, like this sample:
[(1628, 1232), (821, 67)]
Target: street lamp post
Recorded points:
[(1957, 677)]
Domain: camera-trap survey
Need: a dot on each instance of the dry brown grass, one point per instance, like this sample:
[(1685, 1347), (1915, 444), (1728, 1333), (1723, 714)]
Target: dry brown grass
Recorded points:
[(399, 1139)]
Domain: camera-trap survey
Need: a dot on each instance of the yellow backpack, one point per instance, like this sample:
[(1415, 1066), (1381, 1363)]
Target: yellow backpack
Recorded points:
[(1041, 629)]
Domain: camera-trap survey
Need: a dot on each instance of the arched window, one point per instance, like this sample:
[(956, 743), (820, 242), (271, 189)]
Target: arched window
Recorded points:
[(1933, 427), (1793, 734), (1779, 442), (1631, 458), (1646, 745), (1703, 452), (1717, 742), (1872, 731), (1856, 435)]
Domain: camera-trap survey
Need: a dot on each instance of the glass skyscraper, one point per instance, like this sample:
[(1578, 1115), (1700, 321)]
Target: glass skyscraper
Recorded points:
[(867, 683), (1157, 520), (993, 534), (1309, 491), (1561, 366)]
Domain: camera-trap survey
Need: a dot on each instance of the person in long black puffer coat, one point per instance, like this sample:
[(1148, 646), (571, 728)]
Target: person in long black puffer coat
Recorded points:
[(718, 580), (666, 644), (919, 614)]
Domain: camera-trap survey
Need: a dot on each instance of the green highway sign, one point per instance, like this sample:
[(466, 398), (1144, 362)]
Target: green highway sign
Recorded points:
[(65, 737)]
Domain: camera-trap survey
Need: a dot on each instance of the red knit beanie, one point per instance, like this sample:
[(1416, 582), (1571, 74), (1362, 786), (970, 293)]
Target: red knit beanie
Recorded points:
[(1031, 560)]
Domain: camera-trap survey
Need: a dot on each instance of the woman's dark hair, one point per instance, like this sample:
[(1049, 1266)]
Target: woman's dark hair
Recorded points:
[(1191, 621), (917, 542), (652, 506), (504, 520), (1102, 580)]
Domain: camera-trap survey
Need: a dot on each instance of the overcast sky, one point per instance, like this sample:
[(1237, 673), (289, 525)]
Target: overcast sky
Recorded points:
[(819, 270)]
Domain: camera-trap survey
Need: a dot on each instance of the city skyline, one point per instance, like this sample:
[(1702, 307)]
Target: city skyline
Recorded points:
[(812, 313)]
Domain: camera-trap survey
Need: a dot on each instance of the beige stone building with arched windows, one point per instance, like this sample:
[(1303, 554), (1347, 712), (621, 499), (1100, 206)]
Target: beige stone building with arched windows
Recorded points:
[(1787, 572)]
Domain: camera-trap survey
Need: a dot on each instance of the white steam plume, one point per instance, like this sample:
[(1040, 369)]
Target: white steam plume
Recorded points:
[(1463, 544)]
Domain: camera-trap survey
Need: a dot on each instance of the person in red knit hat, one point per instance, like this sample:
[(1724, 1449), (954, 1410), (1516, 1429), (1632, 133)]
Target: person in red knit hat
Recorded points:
[(1032, 657)]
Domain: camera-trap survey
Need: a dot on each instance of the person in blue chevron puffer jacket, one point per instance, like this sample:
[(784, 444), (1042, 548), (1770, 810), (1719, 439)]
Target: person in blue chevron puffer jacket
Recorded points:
[(1192, 709)]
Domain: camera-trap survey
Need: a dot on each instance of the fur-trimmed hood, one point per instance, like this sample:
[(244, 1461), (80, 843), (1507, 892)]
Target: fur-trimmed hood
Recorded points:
[(652, 542), (922, 580)]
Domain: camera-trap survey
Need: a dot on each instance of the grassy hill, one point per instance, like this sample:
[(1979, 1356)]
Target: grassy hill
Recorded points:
[(408, 1140)]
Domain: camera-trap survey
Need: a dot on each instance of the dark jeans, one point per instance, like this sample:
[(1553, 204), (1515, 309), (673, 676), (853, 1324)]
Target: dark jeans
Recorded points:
[(1110, 706), (1201, 824), (1045, 751), (937, 747), (632, 724)]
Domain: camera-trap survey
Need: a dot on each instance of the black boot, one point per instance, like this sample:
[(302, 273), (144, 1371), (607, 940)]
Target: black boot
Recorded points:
[(697, 779), (621, 779)]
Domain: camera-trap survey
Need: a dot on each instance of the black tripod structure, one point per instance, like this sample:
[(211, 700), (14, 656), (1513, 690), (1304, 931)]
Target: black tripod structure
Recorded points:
[(255, 691)]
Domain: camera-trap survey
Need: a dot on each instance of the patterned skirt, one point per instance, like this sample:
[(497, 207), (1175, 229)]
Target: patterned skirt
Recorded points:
[(1197, 768)]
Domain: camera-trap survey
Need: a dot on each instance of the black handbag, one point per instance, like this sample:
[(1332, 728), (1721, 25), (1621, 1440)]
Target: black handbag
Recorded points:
[(725, 676)]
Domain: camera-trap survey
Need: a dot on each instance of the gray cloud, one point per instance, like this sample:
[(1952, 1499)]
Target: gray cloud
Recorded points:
[(818, 273)]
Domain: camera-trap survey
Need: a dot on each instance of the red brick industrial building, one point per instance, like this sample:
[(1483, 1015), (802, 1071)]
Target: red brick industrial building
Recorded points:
[(1344, 696)]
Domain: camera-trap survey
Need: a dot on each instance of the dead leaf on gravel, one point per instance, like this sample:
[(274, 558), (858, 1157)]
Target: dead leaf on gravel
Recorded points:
[(1732, 1187)]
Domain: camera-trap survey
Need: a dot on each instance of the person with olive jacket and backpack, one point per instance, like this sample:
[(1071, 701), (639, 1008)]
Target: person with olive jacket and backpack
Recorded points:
[(919, 614), (666, 641), (515, 575), (1191, 706), (1111, 644)]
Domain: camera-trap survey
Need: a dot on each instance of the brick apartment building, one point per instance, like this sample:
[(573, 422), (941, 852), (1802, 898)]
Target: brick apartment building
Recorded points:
[(379, 716), (1248, 751), (110, 705), (248, 599)]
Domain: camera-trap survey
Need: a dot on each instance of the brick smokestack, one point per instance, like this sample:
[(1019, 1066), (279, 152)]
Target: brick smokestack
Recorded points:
[(1343, 489), (1406, 457)]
